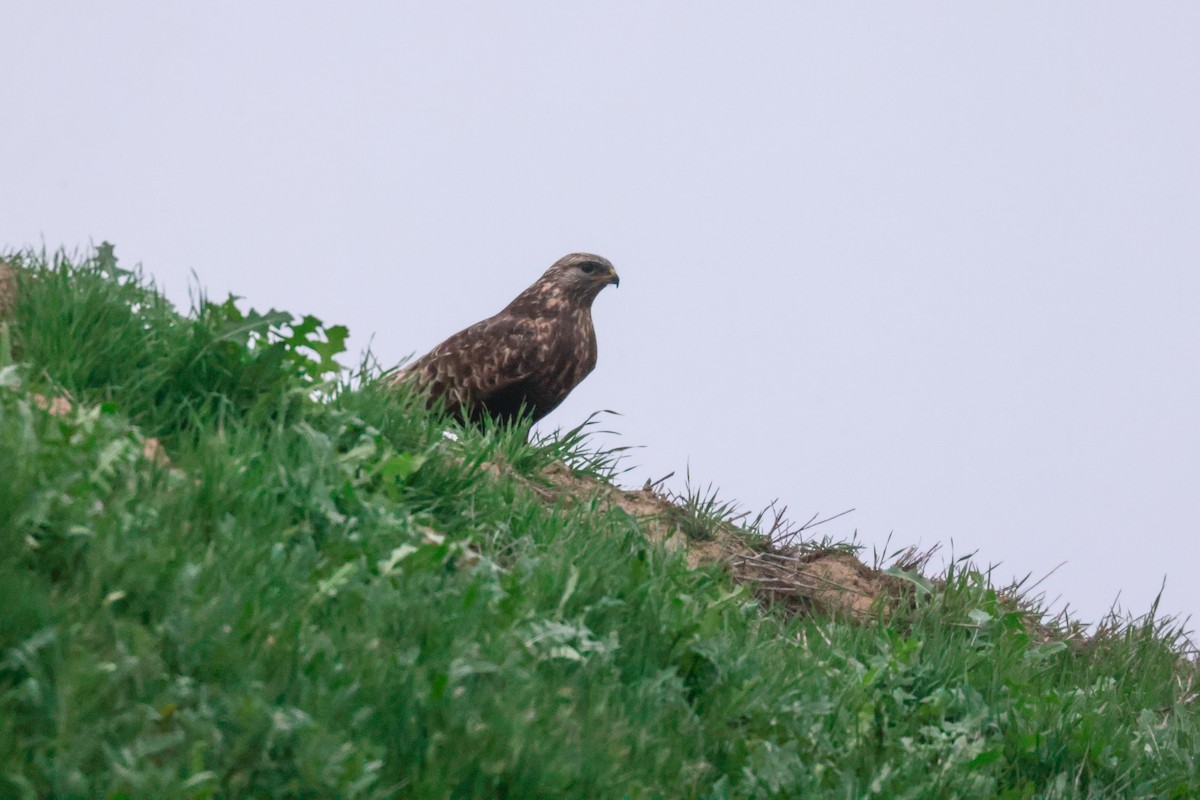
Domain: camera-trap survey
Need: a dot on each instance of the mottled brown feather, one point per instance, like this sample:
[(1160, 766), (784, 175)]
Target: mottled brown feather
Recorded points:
[(530, 355)]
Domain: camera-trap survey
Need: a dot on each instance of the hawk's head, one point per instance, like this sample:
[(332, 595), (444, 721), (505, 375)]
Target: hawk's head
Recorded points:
[(581, 276), (572, 283)]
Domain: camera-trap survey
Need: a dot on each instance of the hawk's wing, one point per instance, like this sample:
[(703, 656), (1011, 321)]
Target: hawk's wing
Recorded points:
[(490, 359)]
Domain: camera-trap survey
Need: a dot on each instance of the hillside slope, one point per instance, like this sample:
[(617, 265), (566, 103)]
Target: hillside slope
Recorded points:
[(231, 572)]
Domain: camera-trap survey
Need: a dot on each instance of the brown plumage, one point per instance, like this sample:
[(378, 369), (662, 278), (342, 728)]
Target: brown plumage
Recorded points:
[(531, 354)]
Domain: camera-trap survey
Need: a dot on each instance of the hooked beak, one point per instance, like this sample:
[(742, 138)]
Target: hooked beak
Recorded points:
[(614, 278)]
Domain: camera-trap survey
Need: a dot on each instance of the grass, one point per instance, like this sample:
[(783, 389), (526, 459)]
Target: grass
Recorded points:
[(320, 595)]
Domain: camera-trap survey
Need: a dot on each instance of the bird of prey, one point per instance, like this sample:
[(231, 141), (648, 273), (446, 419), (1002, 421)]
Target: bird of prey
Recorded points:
[(529, 356)]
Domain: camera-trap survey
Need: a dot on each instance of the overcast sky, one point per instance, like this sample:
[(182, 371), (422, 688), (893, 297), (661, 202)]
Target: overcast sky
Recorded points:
[(936, 262)]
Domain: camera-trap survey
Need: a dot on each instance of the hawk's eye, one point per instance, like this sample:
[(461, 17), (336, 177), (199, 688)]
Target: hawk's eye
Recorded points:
[(589, 267)]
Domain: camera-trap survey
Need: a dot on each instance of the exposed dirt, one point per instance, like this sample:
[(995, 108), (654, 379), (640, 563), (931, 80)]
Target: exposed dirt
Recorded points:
[(832, 581), (8, 289), (802, 580), (61, 406), (57, 406)]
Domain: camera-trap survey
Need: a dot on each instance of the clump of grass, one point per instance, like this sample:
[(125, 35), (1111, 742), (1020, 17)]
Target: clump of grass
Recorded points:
[(703, 515), (322, 596), (574, 448), (120, 339)]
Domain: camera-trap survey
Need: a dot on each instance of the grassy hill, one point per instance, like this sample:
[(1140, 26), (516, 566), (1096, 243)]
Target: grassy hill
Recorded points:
[(231, 571)]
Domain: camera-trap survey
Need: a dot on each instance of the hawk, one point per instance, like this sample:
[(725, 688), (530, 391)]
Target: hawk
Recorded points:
[(529, 356)]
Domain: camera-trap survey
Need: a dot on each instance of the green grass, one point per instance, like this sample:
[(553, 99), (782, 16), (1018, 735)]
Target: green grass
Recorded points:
[(323, 596)]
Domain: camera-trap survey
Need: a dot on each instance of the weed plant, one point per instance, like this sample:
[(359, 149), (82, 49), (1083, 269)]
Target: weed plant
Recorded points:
[(322, 595)]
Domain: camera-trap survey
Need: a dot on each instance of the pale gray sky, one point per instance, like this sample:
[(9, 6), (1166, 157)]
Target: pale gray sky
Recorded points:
[(938, 262)]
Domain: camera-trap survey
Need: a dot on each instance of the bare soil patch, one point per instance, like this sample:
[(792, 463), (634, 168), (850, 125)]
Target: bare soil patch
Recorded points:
[(801, 579)]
